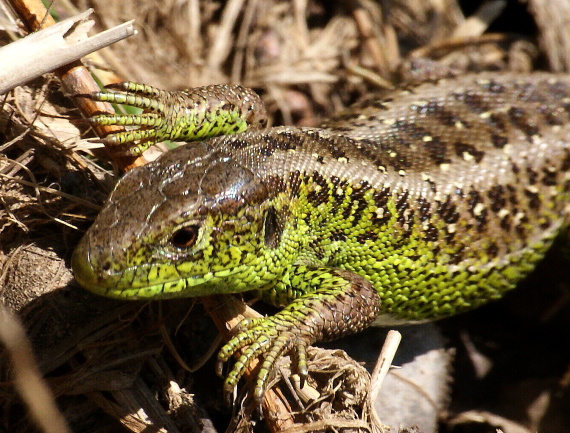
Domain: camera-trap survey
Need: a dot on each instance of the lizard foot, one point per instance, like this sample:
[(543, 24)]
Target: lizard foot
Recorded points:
[(348, 306), (272, 336), (186, 115)]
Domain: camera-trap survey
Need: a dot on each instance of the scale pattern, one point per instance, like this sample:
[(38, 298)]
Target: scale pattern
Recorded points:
[(427, 202)]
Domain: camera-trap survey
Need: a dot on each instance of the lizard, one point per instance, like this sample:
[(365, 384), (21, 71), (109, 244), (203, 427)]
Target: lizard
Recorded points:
[(428, 201)]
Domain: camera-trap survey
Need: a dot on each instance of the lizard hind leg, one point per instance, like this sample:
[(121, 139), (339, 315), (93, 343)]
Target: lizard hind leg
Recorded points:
[(331, 303)]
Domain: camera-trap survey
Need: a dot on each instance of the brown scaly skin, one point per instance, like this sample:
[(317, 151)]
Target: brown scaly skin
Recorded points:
[(428, 202)]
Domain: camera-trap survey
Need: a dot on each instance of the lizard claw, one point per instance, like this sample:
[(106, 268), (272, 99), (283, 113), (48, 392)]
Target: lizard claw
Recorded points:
[(271, 336)]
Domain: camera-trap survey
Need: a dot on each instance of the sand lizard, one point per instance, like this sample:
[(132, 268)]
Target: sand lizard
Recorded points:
[(429, 201)]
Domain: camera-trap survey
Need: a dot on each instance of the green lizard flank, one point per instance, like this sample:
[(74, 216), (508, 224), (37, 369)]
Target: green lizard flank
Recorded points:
[(428, 202)]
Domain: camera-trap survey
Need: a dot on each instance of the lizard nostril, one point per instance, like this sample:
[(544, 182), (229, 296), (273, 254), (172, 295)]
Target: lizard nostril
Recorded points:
[(106, 266)]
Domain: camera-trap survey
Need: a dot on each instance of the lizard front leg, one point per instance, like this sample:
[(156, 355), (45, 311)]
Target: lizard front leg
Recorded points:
[(324, 304), (185, 115)]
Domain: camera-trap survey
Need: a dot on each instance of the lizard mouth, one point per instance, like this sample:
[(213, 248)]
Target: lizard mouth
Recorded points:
[(100, 283), (134, 283), (117, 286), (83, 271)]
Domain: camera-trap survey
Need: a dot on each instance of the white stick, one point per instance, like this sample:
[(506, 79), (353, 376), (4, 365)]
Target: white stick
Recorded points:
[(381, 369), (52, 47)]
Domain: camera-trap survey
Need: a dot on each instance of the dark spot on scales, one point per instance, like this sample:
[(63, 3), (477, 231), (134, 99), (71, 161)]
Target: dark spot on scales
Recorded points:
[(320, 193), (461, 148), (551, 116), (533, 200), (566, 161), (403, 203), (544, 225), (431, 233), (497, 121), (474, 101), (294, 183), (497, 197), (238, 143), (435, 109), (499, 141), (474, 198), (278, 184), (334, 145), (478, 213), (566, 106), (506, 222), (338, 190), (520, 118), (381, 197), (513, 200), (408, 129), (558, 89), (438, 151), (407, 132), (549, 177), (493, 250), (282, 141), (359, 202), (493, 87), (366, 236), (520, 230), (317, 249), (532, 176), (424, 207), (338, 235), (432, 185), (448, 211), (369, 151), (530, 93)]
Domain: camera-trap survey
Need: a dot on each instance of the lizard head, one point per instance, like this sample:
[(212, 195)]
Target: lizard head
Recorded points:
[(193, 223)]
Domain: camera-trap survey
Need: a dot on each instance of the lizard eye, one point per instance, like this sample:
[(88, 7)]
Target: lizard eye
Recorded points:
[(185, 237)]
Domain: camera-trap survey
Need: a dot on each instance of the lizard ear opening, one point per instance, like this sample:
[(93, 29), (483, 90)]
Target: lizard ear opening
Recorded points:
[(272, 228)]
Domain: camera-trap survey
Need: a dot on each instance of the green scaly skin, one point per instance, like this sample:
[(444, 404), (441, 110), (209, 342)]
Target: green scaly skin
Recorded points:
[(431, 201)]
